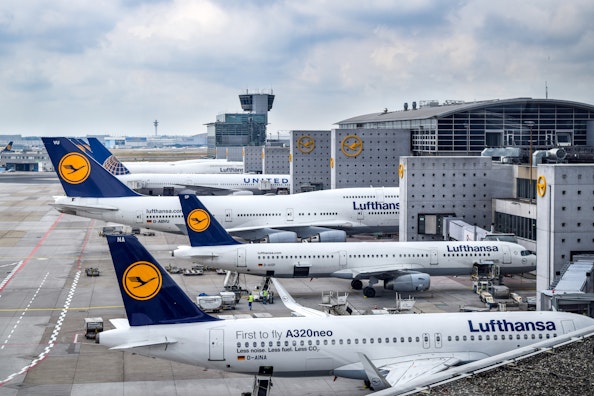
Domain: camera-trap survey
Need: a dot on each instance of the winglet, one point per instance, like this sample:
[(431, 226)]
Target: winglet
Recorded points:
[(203, 228), (293, 305), (150, 295), (376, 379), (81, 175)]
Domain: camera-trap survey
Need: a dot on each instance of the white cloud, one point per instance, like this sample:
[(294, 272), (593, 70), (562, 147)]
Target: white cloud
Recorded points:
[(114, 67)]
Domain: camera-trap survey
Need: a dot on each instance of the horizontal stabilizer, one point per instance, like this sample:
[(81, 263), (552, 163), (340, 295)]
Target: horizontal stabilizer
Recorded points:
[(146, 343)]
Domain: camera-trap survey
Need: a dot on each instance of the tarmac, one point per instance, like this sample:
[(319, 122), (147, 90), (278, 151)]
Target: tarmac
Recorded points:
[(45, 295)]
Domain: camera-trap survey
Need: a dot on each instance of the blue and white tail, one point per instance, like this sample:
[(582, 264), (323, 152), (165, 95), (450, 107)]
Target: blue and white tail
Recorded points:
[(7, 148), (81, 175), (150, 296), (106, 158), (203, 228)]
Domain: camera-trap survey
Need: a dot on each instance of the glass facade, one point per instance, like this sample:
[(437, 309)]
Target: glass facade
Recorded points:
[(546, 125), (472, 127), (236, 130)]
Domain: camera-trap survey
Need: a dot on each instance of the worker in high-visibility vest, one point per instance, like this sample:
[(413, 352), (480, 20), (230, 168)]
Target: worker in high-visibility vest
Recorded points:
[(250, 300), (265, 296)]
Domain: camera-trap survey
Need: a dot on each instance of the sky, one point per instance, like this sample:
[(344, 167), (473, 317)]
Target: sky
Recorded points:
[(74, 68)]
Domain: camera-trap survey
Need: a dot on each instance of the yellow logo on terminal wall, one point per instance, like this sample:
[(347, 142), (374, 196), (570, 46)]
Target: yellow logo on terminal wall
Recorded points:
[(74, 168), (306, 144), (142, 280), (198, 220), (351, 145), (541, 186)]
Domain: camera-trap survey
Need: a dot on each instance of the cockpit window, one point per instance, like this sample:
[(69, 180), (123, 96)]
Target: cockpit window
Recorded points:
[(526, 253)]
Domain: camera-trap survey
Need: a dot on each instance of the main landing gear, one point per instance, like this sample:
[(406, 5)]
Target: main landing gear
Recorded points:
[(368, 291)]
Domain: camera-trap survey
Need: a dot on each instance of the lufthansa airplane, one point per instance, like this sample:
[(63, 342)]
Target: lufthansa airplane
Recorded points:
[(402, 266), (199, 165), (327, 215), (220, 181), (8, 147), (384, 350)]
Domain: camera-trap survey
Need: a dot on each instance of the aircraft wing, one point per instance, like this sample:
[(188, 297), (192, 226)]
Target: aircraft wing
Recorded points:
[(289, 227), (386, 373), (379, 271), (291, 304)]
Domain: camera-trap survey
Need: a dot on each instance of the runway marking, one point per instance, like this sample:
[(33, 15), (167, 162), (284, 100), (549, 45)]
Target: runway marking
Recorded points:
[(59, 309), (24, 311), (35, 249), (65, 308)]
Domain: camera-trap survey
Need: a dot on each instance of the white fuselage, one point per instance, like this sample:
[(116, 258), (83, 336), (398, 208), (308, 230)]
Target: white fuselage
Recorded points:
[(186, 166), (326, 346), (204, 181), (354, 260), (355, 210)]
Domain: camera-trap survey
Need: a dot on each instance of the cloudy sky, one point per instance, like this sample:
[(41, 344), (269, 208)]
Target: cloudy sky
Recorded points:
[(114, 66)]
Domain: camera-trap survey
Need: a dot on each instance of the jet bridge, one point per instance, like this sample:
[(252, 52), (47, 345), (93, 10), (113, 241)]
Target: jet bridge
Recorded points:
[(573, 289)]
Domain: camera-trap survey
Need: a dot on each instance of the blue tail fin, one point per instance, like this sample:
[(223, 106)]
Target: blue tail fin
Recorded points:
[(106, 158), (8, 147), (203, 228), (150, 296), (80, 175)]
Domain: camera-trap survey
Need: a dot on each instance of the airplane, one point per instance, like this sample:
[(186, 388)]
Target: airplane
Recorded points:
[(326, 215), (382, 350), (8, 147), (199, 165), (402, 266), (202, 183)]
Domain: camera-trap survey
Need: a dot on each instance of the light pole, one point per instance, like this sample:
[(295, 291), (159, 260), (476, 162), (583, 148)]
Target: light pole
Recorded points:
[(530, 124)]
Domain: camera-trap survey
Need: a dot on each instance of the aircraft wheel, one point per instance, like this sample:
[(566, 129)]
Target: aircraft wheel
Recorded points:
[(356, 284), (369, 292)]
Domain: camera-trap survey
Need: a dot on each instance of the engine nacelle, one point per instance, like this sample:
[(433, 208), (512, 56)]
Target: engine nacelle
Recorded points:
[(409, 283), (329, 236), (281, 237)]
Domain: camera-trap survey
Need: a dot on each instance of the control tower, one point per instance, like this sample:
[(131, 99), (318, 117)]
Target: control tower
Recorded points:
[(258, 103), (241, 129)]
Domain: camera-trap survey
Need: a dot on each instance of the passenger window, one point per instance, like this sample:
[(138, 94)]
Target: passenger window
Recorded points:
[(349, 341)]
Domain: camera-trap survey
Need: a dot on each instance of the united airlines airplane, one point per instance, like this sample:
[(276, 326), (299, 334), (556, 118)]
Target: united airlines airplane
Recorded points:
[(328, 215), (402, 266), (220, 181), (384, 350), (200, 165)]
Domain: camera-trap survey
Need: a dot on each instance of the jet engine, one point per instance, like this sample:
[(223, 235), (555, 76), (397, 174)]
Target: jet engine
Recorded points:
[(280, 237), (411, 282), (329, 236)]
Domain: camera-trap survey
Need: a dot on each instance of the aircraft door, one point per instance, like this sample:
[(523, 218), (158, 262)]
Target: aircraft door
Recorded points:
[(228, 215), (426, 341), (342, 259), (139, 217), (379, 195), (241, 260), (216, 350), (506, 255), (433, 257), (437, 340), (289, 214), (568, 326)]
